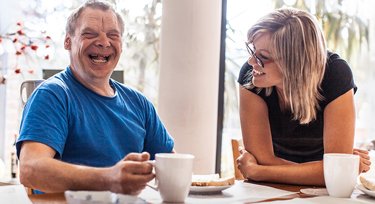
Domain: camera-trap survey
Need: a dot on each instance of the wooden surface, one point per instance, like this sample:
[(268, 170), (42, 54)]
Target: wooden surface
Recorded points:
[(58, 198), (50, 198), (236, 153)]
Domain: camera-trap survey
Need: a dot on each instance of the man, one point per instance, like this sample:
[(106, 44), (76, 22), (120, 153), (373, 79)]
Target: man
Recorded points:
[(79, 127)]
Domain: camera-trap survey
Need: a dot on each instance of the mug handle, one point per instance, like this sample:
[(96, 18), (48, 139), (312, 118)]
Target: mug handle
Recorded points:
[(21, 91), (155, 184)]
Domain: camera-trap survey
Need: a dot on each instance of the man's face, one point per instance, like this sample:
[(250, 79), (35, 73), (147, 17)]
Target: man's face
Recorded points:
[(96, 45)]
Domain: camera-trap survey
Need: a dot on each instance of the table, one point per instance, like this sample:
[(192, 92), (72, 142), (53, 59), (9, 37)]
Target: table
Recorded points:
[(58, 198)]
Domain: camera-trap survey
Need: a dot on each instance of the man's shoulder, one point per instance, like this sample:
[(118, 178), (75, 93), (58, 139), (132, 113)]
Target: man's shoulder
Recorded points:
[(54, 82), (128, 90), (57, 84)]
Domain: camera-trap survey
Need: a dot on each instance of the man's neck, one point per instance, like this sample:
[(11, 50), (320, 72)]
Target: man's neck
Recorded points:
[(100, 86)]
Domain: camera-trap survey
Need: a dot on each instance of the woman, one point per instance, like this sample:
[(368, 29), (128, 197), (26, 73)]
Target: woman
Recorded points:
[(296, 101)]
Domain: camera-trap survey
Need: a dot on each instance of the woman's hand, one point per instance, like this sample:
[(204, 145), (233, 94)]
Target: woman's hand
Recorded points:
[(247, 164), (364, 164)]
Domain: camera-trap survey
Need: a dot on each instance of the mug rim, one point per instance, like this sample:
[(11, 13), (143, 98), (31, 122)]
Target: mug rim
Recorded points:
[(174, 155), (33, 80), (340, 155)]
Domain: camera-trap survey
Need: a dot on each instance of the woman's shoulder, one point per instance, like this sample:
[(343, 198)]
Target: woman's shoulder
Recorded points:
[(337, 69), (334, 59), (338, 78)]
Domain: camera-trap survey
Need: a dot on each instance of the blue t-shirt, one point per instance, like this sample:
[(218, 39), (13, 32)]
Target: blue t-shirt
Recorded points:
[(89, 129)]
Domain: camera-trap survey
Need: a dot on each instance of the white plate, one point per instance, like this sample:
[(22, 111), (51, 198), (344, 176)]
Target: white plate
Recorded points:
[(365, 190), (207, 189)]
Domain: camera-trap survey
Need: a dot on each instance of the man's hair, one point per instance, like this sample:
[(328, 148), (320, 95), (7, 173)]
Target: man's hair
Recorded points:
[(94, 4), (298, 46)]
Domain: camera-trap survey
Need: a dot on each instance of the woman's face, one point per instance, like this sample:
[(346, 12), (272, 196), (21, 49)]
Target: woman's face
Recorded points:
[(269, 75)]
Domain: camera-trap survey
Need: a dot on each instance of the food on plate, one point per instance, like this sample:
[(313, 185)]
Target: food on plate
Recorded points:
[(368, 183), (211, 180)]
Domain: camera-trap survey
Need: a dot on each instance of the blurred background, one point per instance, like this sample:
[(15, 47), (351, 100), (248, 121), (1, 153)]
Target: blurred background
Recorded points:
[(31, 47)]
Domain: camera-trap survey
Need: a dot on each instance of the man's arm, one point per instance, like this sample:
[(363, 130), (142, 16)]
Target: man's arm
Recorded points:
[(39, 170)]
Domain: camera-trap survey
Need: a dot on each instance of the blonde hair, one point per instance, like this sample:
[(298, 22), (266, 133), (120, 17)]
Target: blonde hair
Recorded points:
[(299, 49)]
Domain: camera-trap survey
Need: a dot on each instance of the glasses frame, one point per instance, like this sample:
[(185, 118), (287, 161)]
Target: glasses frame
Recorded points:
[(251, 51)]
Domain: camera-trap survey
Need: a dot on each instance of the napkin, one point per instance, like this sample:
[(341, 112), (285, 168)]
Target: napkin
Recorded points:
[(14, 194)]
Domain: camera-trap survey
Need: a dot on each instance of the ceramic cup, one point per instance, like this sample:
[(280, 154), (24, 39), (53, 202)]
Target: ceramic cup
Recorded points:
[(173, 176), (340, 173), (27, 88)]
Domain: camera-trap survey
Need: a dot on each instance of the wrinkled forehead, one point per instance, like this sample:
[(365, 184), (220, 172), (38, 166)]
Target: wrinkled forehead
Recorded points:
[(96, 13), (98, 17)]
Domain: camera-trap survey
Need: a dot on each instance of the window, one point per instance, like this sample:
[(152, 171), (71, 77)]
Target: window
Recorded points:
[(348, 21), (32, 34)]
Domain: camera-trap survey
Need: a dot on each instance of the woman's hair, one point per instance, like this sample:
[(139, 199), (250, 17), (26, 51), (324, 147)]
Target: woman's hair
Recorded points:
[(299, 50), (94, 4)]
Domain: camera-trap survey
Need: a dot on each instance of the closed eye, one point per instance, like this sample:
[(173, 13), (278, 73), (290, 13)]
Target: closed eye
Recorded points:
[(113, 35), (89, 35), (264, 58)]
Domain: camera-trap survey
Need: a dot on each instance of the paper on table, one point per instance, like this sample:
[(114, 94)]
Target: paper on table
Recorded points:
[(322, 199), (239, 192), (100, 197), (357, 197), (14, 194)]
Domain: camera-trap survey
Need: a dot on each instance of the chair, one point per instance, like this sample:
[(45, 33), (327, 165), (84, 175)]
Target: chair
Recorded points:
[(236, 153), (29, 191)]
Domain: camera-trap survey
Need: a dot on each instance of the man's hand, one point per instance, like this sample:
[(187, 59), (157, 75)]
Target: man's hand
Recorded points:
[(247, 164), (364, 160), (130, 175)]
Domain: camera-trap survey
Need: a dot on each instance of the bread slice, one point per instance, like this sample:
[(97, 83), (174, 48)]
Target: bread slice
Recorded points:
[(211, 180), (368, 183)]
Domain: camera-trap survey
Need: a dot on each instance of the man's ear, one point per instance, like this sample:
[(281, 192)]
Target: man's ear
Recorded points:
[(67, 42)]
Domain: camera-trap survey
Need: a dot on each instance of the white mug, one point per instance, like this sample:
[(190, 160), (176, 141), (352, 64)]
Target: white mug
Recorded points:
[(173, 176), (340, 173), (2, 169), (27, 88)]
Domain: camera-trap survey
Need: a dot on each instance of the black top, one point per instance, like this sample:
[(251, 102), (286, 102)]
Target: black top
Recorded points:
[(291, 140)]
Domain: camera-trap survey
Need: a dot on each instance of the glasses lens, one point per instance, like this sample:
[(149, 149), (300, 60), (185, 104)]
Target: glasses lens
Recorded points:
[(259, 62), (251, 50)]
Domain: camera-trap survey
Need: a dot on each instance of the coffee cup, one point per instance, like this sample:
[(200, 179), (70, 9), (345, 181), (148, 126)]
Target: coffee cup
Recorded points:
[(173, 176), (27, 88), (340, 173)]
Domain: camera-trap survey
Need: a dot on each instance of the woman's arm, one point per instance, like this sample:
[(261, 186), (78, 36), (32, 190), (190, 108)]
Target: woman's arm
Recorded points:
[(256, 131), (310, 173), (339, 119)]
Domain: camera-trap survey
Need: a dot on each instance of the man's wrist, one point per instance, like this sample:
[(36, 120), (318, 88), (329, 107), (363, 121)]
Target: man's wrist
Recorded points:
[(105, 178)]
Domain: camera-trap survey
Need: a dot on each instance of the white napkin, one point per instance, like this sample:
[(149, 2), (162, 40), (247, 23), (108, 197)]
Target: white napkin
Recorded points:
[(14, 194), (100, 197)]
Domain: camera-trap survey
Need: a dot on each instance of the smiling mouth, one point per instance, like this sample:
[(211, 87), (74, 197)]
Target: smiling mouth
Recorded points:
[(99, 59), (257, 73)]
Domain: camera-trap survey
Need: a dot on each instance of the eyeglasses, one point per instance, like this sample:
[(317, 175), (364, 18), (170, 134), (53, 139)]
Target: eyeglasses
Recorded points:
[(250, 48)]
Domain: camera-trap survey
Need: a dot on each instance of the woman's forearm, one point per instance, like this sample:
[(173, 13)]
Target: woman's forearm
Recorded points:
[(274, 161), (310, 173)]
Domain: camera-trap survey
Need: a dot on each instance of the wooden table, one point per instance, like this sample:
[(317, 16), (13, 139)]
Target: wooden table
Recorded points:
[(58, 198)]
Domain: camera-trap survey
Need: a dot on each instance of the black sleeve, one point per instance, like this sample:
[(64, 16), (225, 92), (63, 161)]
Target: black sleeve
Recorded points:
[(338, 79)]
